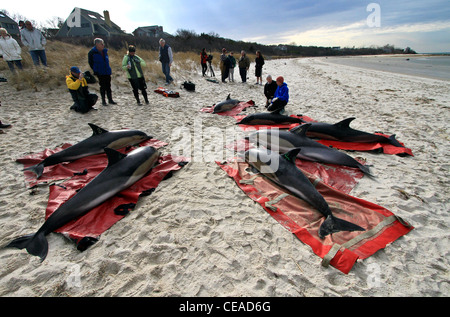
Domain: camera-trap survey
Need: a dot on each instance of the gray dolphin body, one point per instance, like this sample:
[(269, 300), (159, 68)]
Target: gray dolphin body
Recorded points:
[(95, 144), (341, 131), (284, 141), (282, 170), (122, 171), (269, 118), (226, 105)]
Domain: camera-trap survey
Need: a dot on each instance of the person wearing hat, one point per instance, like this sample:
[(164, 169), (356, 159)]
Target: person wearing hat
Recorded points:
[(133, 64), (78, 88), (281, 97)]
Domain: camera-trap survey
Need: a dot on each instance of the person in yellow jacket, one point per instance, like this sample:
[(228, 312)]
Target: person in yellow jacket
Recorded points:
[(133, 64), (78, 88)]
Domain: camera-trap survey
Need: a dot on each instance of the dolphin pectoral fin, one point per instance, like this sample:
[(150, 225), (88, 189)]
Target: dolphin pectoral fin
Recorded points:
[(37, 169), (36, 244), (333, 224)]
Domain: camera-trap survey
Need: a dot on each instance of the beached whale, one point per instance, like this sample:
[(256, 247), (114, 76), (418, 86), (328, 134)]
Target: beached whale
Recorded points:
[(269, 118), (95, 144), (341, 131), (122, 171), (226, 105), (284, 141), (282, 170)]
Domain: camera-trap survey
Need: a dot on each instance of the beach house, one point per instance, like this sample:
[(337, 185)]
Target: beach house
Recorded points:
[(9, 24), (83, 22)]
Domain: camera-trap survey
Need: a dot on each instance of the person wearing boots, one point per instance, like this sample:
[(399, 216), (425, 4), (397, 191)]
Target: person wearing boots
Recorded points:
[(99, 61), (133, 64)]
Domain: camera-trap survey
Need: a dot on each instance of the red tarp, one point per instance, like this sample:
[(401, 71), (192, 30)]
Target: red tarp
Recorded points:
[(233, 112), (90, 226), (351, 146), (340, 250)]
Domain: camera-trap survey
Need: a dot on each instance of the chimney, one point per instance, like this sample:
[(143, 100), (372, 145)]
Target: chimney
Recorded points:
[(107, 18)]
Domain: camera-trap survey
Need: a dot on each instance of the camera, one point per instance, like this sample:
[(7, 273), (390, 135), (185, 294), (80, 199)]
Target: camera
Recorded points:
[(210, 57)]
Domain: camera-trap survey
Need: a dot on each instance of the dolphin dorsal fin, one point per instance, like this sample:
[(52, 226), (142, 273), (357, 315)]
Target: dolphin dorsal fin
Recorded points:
[(301, 129), (113, 156), (344, 123), (228, 98), (291, 155), (96, 129)]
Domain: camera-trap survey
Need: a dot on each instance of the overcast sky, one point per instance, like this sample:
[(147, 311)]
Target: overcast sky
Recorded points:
[(421, 25)]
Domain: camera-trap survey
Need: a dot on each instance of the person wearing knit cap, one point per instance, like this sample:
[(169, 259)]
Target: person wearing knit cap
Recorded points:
[(78, 88), (281, 97)]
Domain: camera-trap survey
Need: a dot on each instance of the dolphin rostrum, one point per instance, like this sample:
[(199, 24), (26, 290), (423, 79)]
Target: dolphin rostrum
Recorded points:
[(269, 118), (122, 171), (95, 144), (226, 105), (341, 131), (284, 141), (282, 170)]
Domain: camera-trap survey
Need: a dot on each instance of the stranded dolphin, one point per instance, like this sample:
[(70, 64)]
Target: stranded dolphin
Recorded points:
[(95, 144), (284, 141), (269, 118), (226, 105), (282, 170), (341, 131), (122, 171)]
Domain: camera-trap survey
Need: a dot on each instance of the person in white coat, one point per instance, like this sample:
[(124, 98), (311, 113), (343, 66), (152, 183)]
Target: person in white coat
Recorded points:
[(35, 41), (10, 50)]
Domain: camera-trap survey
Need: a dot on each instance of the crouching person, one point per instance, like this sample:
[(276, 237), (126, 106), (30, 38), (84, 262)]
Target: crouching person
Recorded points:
[(78, 88)]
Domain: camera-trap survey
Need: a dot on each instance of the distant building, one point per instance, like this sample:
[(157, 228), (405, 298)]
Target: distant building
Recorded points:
[(149, 31), (83, 22), (9, 24)]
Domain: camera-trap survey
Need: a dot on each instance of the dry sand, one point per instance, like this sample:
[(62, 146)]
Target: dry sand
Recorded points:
[(198, 234)]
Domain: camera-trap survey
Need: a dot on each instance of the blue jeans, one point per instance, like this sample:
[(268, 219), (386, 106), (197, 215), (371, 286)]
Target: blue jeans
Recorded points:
[(39, 54), (166, 71), (18, 63)]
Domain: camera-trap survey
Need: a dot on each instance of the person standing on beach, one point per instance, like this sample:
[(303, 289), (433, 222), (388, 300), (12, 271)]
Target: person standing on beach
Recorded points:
[(35, 41), (259, 60), (244, 65), (224, 65), (99, 61), (281, 97), (10, 50), (166, 59), (232, 66), (203, 61), (269, 90), (78, 88), (133, 64)]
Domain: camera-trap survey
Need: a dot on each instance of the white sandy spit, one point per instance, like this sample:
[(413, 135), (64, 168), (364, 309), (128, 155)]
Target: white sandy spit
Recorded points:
[(198, 234)]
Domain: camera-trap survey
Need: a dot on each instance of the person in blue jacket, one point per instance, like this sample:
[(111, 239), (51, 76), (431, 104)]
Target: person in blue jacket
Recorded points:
[(281, 97), (99, 62)]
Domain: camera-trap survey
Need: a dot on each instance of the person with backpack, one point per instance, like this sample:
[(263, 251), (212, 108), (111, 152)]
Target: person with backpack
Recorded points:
[(133, 64)]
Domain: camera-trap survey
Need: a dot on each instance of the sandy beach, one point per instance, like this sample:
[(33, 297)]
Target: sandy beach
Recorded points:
[(198, 234)]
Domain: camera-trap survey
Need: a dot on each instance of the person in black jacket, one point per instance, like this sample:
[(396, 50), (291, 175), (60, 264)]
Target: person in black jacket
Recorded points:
[(259, 60), (269, 89)]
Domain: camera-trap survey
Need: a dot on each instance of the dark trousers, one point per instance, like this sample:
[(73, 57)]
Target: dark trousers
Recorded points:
[(139, 84), (84, 104), (243, 73), (204, 69), (105, 87), (277, 105), (11, 64)]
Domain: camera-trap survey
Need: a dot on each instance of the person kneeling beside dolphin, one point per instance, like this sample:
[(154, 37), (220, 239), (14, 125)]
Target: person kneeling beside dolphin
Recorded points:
[(78, 88), (281, 97)]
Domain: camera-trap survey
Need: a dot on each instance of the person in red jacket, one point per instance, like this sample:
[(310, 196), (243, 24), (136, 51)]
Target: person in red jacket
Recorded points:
[(203, 61)]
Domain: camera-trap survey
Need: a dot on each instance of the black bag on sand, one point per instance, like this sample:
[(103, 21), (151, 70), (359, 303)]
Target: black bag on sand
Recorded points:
[(89, 78), (189, 86)]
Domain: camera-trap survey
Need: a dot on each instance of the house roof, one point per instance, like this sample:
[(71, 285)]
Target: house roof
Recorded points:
[(95, 17)]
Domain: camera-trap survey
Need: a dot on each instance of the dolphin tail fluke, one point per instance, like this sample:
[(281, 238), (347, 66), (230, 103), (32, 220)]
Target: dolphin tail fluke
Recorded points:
[(333, 224), (37, 169), (36, 244)]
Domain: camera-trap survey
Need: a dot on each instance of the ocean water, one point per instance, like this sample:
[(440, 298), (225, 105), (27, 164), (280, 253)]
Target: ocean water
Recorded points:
[(429, 66)]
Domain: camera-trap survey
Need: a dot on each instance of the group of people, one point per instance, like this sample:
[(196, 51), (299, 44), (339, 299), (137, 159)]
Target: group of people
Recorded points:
[(276, 92), (31, 37), (98, 58)]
